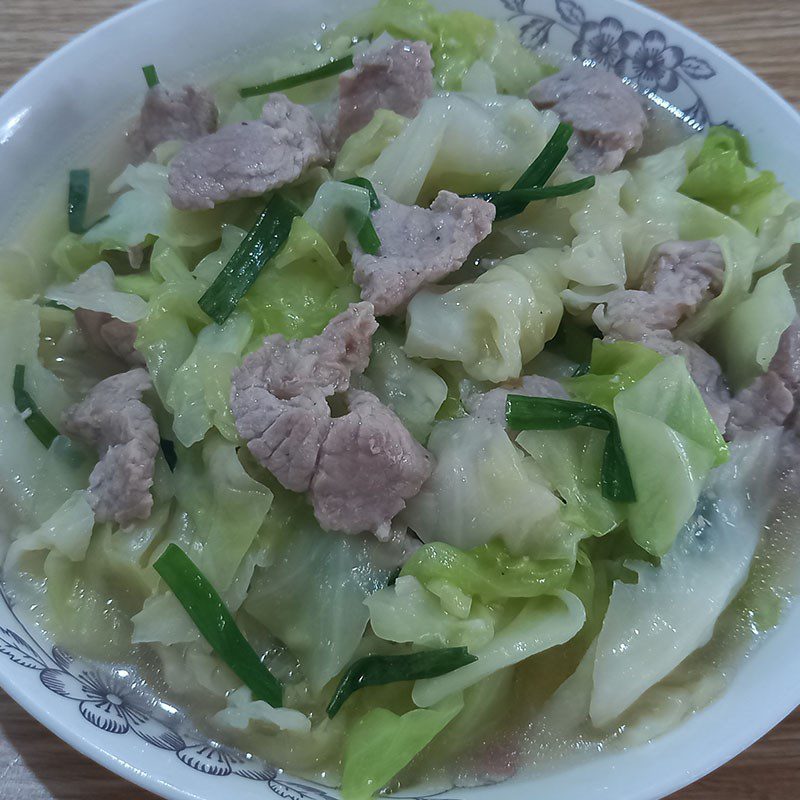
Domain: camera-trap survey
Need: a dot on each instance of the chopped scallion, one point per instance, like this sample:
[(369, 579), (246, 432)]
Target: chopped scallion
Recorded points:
[(334, 67), (78, 200), (215, 623), (511, 202), (545, 413), (365, 183), (41, 426), (262, 242), (380, 670), (151, 76), (546, 163), (365, 231)]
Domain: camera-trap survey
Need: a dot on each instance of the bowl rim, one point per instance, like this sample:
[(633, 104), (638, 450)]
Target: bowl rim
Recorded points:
[(34, 703)]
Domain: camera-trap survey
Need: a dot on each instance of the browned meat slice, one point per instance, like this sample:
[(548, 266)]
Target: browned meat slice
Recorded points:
[(681, 277), (278, 395), (418, 246), (110, 334), (399, 78), (113, 419), (368, 467), (492, 405), (247, 159), (174, 114), (608, 116)]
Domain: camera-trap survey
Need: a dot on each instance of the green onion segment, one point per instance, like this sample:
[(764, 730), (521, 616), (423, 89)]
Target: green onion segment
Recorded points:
[(380, 670), (546, 413), (38, 423), (151, 76), (325, 71), (530, 185), (78, 200), (365, 183), (261, 244), (215, 623)]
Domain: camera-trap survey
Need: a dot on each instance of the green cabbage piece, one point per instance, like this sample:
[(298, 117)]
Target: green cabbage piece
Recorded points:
[(382, 743), (34, 480), (719, 177), (654, 623), (145, 210), (671, 444), (410, 388), (572, 462), (488, 572), (615, 366), (199, 393), (328, 213), (457, 39), (408, 612), (495, 325), (464, 143), (301, 289), (537, 625), (748, 338), (95, 290), (363, 147), (219, 512), (483, 488), (311, 592)]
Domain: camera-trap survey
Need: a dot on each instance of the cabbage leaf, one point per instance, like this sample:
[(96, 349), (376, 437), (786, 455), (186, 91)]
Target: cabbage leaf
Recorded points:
[(651, 626), (495, 325)]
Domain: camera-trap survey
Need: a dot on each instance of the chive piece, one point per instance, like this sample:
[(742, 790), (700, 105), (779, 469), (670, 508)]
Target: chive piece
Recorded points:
[(261, 243), (545, 413), (325, 71), (170, 456), (379, 670), (54, 304), (215, 623), (546, 163), (365, 231), (151, 76), (365, 183), (38, 423), (581, 370), (511, 202), (78, 200)]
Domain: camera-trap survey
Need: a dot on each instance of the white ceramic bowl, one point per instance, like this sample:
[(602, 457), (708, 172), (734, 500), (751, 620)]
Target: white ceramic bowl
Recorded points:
[(74, 102)]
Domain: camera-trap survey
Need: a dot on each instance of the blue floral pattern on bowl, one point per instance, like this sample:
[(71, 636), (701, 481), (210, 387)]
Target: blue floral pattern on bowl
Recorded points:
[(662, 71), (106, 700)]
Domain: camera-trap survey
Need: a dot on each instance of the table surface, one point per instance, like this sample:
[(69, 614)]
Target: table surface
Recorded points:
[(34, 764)]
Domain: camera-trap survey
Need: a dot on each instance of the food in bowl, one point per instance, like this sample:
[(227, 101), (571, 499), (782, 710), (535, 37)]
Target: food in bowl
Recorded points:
[(417, 412)]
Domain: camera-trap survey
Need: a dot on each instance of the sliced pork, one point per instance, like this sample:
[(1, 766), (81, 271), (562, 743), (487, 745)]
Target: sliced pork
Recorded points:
[(607, 115), (174, 114), (113, 419), (279, 394), (680, 278), (247, 159), (398, 78), (369, 465), (110, 335), (418, 246)]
